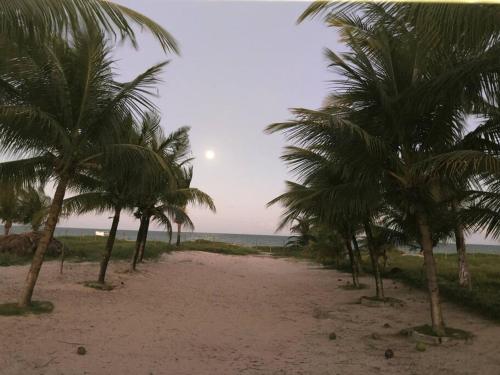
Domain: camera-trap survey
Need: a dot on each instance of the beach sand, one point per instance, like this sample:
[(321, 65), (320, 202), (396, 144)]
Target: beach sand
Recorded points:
[(200, 313)]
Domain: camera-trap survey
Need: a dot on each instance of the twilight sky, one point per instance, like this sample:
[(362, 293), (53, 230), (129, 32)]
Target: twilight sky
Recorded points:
[(242, 65)]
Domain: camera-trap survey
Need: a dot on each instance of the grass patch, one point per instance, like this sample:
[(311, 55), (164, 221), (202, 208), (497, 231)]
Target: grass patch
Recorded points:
[(351, 286), (90, 248), (455, 333), (98, 285), (217, 247), (484, 297), (37, 307)]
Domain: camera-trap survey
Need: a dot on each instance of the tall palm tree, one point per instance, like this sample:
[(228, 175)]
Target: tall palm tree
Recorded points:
[(164, 201), (56, 98), (405, 103)]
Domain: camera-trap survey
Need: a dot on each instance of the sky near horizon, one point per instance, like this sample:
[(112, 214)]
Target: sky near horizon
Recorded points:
[(242, 66)]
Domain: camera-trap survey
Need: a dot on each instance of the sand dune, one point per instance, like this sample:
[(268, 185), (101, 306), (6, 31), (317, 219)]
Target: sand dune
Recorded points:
[(200, 313)]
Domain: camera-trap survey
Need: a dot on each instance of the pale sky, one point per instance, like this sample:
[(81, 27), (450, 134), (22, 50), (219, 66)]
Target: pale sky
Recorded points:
[(242, 66)]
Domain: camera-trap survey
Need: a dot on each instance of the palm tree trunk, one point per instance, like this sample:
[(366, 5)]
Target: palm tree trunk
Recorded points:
[(48, 232), (109, 245), (464, 276), (354, 263), (7, 226), (379, 284), (137, 244), (431, 272), (178, 242), (142, 246), (357, 252)]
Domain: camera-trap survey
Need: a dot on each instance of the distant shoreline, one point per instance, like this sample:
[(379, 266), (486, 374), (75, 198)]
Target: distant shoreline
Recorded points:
[(236, 238)]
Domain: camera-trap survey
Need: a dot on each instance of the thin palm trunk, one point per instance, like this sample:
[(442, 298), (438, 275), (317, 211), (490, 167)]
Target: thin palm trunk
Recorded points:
[(109, 245), (137, 243), (379, 284), (48, 232), (354, 263), (357, 252), (7, 226), (179, 227), (431, 272), (142, 245), (464, 276)]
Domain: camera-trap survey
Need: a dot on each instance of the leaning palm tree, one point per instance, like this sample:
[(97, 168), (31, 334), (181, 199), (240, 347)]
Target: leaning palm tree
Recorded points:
[(60, 110), (33, 21)]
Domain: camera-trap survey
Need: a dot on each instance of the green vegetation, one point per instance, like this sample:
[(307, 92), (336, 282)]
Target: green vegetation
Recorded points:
[(217, 247), (90, 249), (99, 286), (390, 158), (483, 298), (36, 307)]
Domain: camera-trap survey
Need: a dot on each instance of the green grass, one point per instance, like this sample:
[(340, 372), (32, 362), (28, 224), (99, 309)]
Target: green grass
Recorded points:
[(99, 286), (217, 247), (484, 297), (37, 307), (90, 248)]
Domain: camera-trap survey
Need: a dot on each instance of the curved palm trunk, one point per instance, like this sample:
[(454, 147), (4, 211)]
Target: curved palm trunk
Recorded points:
[(354, 263), (431, 272), (48, 232), (137, 243), (179, 227), (464, 276), (6, 227), (109, 245), (379, 284), (142, 245)]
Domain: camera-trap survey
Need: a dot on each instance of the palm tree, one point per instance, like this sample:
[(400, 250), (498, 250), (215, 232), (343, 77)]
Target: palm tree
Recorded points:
[(34, 206), (110, 188), (33, 21), (405, 103), (302, 232), (165, 199), (56, 98), (10, 207)]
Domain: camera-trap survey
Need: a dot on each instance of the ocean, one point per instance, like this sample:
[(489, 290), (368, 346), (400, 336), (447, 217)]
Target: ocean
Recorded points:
[(238, 239)]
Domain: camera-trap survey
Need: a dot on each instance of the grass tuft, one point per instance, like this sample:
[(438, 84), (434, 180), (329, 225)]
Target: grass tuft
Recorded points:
[(99, 286), (37, 307), (454, 333)]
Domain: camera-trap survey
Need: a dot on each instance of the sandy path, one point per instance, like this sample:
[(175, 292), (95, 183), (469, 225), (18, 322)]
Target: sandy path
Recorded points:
[(200, 313)]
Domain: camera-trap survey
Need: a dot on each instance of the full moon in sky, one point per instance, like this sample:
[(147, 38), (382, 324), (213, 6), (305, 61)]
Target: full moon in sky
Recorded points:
[(210, 154)]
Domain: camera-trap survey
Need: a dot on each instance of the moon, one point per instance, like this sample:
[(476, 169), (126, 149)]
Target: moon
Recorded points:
[(210, 154)]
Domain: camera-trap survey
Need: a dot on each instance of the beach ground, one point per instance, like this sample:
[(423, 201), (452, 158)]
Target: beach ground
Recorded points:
[(201, 313)]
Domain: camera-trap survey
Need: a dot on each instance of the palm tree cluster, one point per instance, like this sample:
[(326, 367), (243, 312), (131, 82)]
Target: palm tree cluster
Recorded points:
[(23, 205), (405, 149), (66, 119)]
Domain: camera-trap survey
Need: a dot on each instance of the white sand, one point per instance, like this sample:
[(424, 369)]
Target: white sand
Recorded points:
[(200, 313)]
